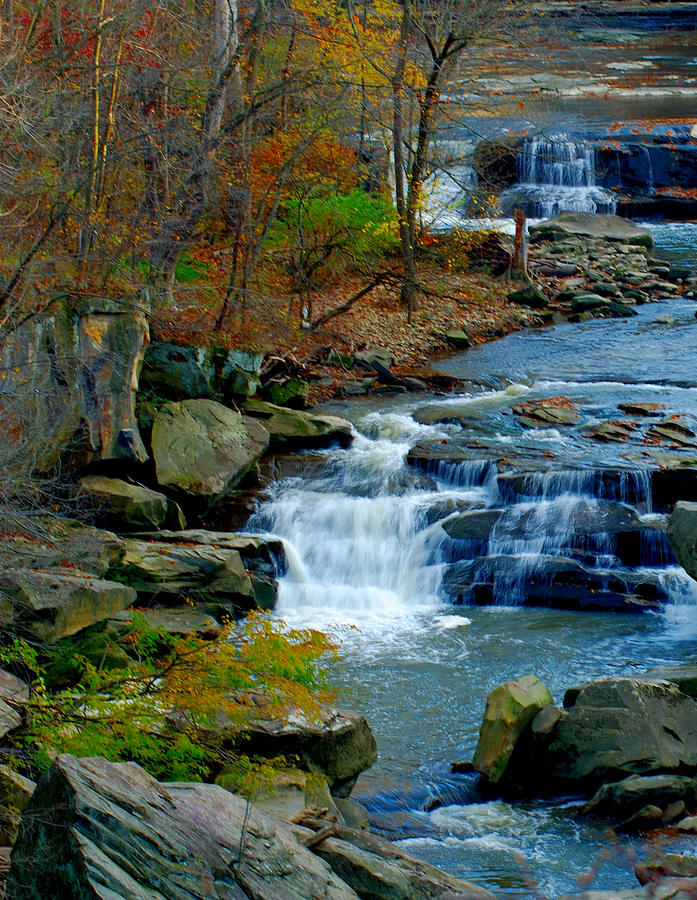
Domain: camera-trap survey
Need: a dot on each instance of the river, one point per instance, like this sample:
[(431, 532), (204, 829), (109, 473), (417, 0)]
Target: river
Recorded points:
[(367, 562)]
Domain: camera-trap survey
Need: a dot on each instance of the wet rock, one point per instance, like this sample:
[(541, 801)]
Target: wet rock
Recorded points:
[(667, 865), (509, 710), (125, 504), (50, 606), (688, 825), (618, 727), (99, 829), (548, 412), (530, 296), (621, 311), (597, 225), (664, 319), (204, 449), (622, 799), (473, 525), (683, 677), (554, 582), (292, 428), (613, 432), (682, 534), (645, 819), (649, 410), (673, 431)]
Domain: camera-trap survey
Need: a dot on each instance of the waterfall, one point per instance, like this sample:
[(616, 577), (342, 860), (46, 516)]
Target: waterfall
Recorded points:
[(556, 174)]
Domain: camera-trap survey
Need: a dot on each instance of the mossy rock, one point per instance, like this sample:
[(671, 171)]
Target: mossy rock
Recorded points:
[(509, 709)]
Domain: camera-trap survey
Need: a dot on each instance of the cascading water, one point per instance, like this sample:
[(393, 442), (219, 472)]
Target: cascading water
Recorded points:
[(556, 174)]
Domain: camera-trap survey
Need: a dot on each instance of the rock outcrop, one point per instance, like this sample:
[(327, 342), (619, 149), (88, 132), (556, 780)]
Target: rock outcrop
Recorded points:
[(110, 831), (71, 377)]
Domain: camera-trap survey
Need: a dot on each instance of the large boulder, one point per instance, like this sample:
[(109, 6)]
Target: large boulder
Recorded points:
[(173, 571), (340, 745), (95, 829), (293, 428), (49, 606), (597, 225), (203, 449), (682, 533), (125, 504), (621, 799), (509, 710), (613, 728)]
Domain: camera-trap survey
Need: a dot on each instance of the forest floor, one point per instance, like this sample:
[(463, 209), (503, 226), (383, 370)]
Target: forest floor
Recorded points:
[(272, 323)]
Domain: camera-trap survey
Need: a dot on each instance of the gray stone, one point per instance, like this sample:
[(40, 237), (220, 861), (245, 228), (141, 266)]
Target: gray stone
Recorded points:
[(177, 372), (530, 296), (598, 225), (49, 606), (14, 695), (339, 746), (296, 428), (170, 569), (621, 799), (132, 505), (198, 620), (284, 794), (667, 865), (110, 831), (204, 449), (618, 727), (72, 377), (682, 534), (366, 358), (379, 870), (52, 543)]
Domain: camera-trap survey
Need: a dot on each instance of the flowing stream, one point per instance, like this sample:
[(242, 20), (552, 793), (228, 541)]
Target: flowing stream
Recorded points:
[(369, 562)]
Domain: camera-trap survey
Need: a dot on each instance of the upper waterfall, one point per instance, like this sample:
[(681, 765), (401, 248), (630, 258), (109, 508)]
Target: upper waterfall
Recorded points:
[(556, 174)]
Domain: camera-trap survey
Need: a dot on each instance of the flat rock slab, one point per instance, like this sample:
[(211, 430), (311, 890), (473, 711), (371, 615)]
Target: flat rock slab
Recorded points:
[(296, 428), (597, 225), (50, 606), (132, 505), (110, 831), (177, 569)]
